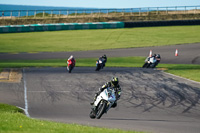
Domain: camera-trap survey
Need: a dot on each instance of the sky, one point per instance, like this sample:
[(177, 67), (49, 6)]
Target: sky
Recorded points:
[(104, 3)]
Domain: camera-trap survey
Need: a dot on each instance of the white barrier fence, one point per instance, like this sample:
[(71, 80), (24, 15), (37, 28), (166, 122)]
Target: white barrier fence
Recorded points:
[(100, 12)]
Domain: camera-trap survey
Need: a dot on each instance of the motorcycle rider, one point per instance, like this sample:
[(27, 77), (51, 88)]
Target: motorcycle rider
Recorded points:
[(71, 59), (103, 59), (114, 83), (154, 55), (158, 58)]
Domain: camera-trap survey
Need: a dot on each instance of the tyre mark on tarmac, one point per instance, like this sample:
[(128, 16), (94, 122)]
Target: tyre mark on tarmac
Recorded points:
[(196, 60), (151, 100), (149, 97)]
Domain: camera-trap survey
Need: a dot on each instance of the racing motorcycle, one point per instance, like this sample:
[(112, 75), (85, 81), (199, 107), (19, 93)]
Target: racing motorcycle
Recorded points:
[(70, 65), (103, 103), (99, 65), (151, 62)]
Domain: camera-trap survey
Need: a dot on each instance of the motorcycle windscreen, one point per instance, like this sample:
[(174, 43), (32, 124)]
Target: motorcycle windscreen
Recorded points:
[(111, 95)]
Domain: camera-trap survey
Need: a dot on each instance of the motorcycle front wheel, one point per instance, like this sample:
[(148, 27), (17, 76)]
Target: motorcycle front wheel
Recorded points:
[(100, 110), (97, 67), (70, 68), (145, 65)]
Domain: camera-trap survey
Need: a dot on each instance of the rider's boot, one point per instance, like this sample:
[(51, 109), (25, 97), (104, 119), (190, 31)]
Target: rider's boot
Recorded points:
[(102, 66), (114, 105), (95, 97)]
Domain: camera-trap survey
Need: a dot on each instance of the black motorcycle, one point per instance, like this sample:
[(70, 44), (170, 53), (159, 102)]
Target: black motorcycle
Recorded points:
[(100, 64)]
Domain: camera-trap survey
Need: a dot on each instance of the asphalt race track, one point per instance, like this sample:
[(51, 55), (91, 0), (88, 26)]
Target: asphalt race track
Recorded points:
[(187, 54), (151, 100)]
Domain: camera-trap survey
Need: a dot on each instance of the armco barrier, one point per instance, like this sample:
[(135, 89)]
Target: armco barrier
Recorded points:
[(60, 26), (161, 23)]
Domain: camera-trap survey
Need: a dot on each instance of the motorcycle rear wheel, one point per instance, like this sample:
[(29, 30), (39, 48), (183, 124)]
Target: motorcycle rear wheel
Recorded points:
[(97, 68), (92, 114)]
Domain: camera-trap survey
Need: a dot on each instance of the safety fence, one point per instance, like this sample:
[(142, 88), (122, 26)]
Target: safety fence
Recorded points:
[(60, 26), (98, 25), (62, 13), (161, 23)]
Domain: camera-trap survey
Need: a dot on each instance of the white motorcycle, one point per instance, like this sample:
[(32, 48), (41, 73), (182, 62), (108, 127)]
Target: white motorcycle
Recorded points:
[(151, 62), (103, 103)]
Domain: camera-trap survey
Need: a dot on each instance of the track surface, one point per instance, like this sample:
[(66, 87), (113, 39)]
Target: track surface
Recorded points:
[(188, 54), (151, 100)]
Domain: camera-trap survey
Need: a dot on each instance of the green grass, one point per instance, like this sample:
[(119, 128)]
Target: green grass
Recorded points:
[(79, 40), (32, 63), (184, 70), (13, 121), (113, 61)]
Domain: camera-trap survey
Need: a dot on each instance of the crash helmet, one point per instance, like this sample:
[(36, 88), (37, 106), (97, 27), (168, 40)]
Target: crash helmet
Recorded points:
[(114, 81), (71, 57), (158, 56)]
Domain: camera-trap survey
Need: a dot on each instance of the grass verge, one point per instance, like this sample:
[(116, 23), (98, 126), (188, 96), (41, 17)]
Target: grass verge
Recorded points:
[(14, 121), (82, 40), (184, 70)]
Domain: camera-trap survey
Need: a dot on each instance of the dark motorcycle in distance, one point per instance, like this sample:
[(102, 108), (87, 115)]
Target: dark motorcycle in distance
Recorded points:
[(152, 62), (100, 64)]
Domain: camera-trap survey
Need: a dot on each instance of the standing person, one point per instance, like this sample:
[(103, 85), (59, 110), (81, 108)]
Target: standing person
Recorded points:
[(71, 63), (2, 14), (114, 83)]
